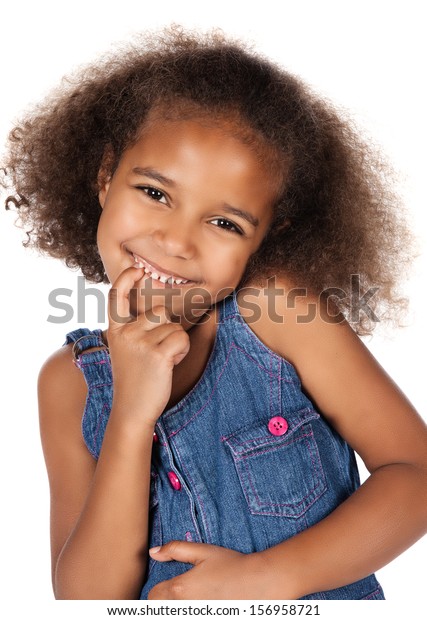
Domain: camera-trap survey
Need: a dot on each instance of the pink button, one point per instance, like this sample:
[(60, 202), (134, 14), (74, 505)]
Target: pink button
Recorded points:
[(173, 479), (155, 438), (278, 425)]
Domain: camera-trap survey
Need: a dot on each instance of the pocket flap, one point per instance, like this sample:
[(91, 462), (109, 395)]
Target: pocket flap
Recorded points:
[(259, 436)]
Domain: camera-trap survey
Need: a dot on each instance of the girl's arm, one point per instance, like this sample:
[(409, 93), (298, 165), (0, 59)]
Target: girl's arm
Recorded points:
[(377, 523), (389, 511), (99, 512)]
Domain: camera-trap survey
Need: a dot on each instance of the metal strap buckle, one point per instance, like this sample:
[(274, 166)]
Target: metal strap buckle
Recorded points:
[(74, 349)]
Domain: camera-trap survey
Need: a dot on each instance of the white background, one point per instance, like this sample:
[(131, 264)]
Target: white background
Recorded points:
[(367, 56)]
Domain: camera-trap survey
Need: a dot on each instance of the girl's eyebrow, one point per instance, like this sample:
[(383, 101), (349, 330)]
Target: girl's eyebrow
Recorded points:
[(153, 174), (243, 214), (156, 176)]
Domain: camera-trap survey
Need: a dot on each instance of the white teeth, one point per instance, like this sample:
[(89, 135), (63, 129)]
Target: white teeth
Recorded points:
[(156, 276), (137, 262)]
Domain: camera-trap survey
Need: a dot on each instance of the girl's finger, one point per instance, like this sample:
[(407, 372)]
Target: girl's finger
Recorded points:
[(175, 345), (183, 551), (154, 317), (118, 297), (161, 332)]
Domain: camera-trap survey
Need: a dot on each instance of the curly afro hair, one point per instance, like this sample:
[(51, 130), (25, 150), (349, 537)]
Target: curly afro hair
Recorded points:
[(344, 217)]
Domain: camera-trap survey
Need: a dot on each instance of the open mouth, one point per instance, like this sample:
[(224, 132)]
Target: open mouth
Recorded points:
[(168, 280)]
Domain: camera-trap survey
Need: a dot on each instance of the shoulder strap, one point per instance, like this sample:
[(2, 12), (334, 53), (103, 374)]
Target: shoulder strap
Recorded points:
[(96, 369), (83, 339)]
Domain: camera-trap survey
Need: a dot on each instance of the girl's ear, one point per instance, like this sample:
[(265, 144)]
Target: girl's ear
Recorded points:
[(104, 186), (104, 174)]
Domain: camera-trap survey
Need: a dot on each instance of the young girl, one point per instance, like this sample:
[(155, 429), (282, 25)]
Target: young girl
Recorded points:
[(202, 446)]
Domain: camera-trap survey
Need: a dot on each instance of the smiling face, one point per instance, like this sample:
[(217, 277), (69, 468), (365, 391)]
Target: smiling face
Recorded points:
[(188, 200)]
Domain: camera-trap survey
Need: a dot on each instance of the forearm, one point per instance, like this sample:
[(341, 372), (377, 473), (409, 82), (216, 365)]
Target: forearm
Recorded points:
[(105, 555), (378, 522)]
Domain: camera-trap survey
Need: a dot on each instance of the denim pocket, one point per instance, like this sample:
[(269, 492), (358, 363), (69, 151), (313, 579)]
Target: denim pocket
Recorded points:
[(279, 475)]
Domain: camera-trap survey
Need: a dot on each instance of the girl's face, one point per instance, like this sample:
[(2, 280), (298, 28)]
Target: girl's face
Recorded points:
[(187, 200)]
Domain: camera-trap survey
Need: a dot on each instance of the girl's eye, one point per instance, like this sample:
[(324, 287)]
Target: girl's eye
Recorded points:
[(154, 194), (228, 225)]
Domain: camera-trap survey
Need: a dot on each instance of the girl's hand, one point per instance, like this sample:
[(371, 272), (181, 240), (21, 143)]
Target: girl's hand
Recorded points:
[(143, 351), (218, 573)]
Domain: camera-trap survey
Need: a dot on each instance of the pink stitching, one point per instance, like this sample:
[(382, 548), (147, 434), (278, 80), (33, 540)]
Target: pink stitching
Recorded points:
[(281, 445), (255, 338), (262, 348), (102, 361), (98, 385), (374, 593), (185, 399), (93, 363), (233, 345), (197, 495), (266, 442), (271, 374), (291, 430), (206, 403)]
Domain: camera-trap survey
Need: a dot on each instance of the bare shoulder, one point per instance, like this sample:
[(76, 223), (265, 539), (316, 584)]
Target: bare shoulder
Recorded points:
[(283, 317), (59, 376), (338, 372), (62, 393)]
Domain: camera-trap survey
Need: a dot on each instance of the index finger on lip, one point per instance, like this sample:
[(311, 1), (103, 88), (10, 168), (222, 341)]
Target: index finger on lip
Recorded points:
[(118, 297)]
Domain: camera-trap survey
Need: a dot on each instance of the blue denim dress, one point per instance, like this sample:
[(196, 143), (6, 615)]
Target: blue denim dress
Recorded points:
[(244, 460)]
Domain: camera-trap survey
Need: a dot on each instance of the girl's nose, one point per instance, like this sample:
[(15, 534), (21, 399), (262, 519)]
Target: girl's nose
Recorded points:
[(175, 240)]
